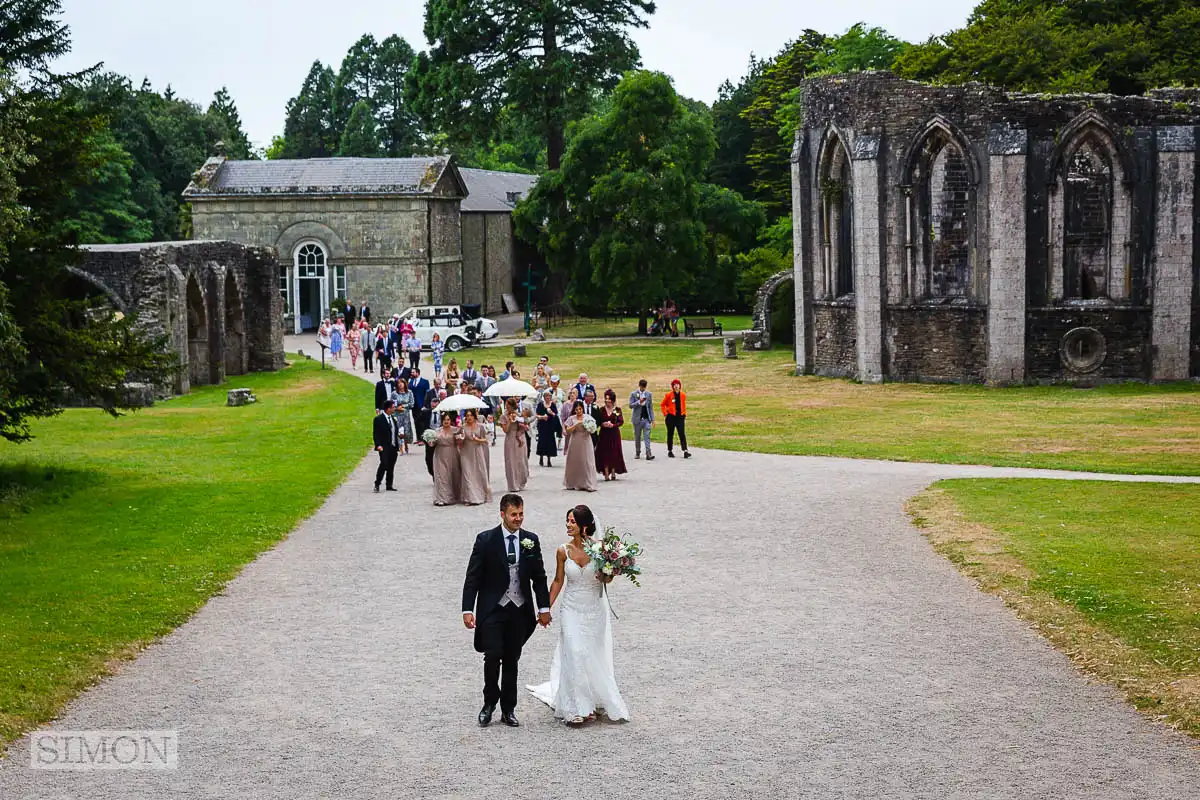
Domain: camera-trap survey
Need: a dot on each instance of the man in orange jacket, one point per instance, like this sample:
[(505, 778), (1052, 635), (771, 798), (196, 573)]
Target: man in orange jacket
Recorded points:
[(674, 409)]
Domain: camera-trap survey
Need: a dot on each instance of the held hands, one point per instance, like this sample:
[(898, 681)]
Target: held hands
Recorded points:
[(543, 620)]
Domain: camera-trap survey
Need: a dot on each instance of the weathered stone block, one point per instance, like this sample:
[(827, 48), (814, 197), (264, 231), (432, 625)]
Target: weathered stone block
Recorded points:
[(240, 397)]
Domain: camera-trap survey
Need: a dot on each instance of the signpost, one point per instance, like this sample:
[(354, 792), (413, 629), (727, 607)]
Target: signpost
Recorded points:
[(528, 284)]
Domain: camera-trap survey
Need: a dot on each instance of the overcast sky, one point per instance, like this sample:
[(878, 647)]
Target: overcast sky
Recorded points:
[(262, 49)]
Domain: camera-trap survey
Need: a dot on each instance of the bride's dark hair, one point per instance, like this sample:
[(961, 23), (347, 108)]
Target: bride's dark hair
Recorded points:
[(584, 519)]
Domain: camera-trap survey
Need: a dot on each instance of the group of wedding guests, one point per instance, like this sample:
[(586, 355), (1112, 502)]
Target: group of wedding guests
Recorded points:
[(572, 422)]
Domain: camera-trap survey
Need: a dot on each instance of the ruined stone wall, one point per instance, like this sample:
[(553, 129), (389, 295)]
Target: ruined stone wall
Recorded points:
[(1123, 333), (834, 342), (1035, 212), (945, 345), (236, 314)]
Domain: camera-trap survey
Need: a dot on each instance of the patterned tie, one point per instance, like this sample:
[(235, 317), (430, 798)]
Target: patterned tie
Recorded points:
[(512, 549)]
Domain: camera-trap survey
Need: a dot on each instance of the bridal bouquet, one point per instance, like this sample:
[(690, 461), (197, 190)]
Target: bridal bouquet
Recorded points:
[(430, 436), (615, 555), (589, 425)]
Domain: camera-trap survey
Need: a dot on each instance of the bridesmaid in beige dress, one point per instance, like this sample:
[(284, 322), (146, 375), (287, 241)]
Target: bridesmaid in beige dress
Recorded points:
[(446, 476), (580, 472), (516, 461), (473, 461)]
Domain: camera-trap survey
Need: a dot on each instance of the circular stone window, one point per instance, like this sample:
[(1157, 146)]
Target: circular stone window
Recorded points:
[(1083, 349)]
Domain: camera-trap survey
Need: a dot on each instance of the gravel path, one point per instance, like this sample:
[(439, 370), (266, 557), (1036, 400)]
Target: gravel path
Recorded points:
[(794, 637)]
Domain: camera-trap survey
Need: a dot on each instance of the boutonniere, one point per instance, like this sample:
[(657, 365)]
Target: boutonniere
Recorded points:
[(527, 544)]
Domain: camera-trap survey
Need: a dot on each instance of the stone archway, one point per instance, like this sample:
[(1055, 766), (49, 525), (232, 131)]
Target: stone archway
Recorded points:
[(197, 334), (762, 306), (235, 327)]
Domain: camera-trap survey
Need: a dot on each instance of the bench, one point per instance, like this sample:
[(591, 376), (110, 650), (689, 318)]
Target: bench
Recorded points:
[(690, 326)]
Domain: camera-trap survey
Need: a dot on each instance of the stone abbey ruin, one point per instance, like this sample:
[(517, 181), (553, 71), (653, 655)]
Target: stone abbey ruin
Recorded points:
[(217, 303), (968, 234)]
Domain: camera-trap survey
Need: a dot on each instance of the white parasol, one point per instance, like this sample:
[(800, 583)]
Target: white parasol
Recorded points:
[(461, 402), (511, 387)]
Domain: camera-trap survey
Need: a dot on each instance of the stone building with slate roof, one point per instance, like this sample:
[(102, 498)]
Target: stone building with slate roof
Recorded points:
[(395, 232)]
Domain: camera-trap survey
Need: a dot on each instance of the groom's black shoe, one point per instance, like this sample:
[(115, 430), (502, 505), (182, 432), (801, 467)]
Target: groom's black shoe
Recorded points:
[(485, 715), (509, 719)]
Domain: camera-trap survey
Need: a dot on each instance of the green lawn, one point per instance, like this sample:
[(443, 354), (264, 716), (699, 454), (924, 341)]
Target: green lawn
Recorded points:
[(582, 327), (114, 531), (756, 403), (1110, 572)]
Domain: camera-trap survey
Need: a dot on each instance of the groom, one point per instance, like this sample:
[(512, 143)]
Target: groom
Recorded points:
[(506, 563)]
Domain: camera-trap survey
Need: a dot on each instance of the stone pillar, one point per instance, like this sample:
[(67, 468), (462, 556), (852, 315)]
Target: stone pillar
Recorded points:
[(869, 262), (1007, 199), (1172, 267), (802, 266), (263, 310)]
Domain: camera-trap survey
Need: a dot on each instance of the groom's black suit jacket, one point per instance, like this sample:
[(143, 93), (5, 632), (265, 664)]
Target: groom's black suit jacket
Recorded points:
[(487, 579)]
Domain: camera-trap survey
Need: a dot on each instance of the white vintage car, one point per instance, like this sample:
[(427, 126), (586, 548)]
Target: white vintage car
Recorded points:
[(449, 322)]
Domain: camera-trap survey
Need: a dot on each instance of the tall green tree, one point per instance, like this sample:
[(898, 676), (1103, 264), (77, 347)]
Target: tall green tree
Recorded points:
[(399, 127), (730, 167), (168, 138), (309, 131), (546, 58), (103, 210), (357, 81), (622, 214), (361, 139), (224, 111), (858, 49), (770, 151), (53, 343)]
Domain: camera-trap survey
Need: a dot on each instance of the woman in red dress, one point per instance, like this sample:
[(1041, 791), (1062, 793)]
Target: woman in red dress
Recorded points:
[(609, 458)]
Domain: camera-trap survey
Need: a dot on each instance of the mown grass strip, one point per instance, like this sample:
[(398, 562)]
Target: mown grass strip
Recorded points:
[(114, 531), (1108, 572), (755, 403)]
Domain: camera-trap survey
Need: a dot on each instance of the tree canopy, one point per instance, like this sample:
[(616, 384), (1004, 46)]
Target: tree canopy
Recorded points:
[(1121, 46), (628, 216), (373, 74), (56, 342), (546, 59)]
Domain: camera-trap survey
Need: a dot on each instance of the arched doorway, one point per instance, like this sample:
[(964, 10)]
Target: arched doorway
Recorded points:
[(199, 373), (235, 328), (311, 301), (774, 309)]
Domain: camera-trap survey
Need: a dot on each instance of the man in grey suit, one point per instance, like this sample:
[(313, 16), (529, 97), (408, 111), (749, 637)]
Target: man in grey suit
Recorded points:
[(641, 404)]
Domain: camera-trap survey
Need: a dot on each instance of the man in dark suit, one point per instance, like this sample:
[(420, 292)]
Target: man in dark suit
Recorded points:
[(383, 388), (420, 390), (504, 578), (349, 312), (387, 443), (589, 408), (582, 387), (365, 312)]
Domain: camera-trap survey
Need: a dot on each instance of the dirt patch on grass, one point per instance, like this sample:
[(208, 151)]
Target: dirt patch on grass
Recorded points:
[(983, 555), (305, 389)]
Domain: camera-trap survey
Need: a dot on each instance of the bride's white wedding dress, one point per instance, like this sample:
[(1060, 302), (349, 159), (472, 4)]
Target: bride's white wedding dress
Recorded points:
[(581, 675)]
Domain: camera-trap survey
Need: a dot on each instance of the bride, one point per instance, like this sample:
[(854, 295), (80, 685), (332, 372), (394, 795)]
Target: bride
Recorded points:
[(581, 675)]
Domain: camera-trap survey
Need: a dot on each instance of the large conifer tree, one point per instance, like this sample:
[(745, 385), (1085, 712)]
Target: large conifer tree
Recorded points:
[(546, 58)]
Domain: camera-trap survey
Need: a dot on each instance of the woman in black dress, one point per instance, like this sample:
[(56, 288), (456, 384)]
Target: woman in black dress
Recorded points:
[(548, 427)]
